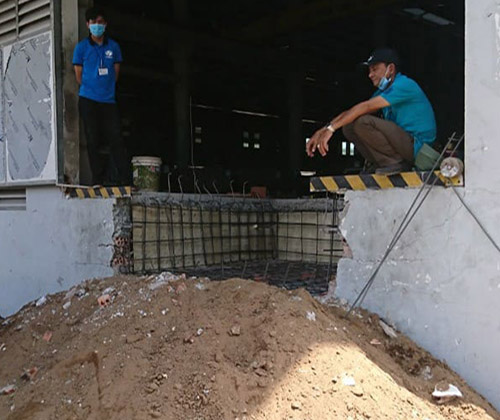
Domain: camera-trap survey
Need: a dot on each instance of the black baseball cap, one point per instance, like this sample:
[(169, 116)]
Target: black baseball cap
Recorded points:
[(382, 55)]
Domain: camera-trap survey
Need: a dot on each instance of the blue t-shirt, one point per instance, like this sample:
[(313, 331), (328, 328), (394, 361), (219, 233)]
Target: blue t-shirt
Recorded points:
[(410, 109), (98, 74)]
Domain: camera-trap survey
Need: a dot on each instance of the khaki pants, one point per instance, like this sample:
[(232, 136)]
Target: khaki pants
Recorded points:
[(381, 142)]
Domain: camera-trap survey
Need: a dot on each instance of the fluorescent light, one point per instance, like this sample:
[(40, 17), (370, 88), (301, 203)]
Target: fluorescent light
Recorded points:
[(430, 17), (214, 108), (438, 20), (255, 114), (415, 11)]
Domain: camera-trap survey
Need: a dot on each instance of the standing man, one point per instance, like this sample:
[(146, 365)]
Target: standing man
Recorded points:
[(96, 61), (389, 145)]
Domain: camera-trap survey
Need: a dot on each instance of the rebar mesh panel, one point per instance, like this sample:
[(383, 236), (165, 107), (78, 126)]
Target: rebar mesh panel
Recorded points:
[(230, 240)]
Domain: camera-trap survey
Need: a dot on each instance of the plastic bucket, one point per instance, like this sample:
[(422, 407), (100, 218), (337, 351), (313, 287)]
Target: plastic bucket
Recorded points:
[(146, 173), (426, 158)]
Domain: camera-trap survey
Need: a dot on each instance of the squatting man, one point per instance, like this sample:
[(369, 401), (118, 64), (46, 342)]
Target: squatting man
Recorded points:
[(389, 144)]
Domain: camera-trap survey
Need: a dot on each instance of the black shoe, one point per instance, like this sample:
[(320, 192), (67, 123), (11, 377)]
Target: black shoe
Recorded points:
[(394, 169)]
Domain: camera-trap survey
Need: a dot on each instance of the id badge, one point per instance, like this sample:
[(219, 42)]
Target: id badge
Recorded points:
[(103, 71)]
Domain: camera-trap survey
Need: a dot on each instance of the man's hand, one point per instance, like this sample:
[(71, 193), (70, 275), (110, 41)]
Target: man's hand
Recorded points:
[(117, 71), (78, 73), (319, 141)]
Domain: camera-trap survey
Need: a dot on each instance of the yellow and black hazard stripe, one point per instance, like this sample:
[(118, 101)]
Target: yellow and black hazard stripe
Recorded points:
[(98, 192), (379, 182)]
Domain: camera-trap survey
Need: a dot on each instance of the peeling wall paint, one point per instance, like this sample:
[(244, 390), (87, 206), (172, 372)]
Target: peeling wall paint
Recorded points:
[(28, 110)]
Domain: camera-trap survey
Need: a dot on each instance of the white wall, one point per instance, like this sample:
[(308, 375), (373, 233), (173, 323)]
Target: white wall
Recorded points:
[(441, 286), (53, 245), (482, 94)]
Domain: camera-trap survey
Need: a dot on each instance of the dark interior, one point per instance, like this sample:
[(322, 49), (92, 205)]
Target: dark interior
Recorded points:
[(228, 91)]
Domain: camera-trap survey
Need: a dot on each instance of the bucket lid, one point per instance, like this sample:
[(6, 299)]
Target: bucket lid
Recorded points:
[(146, 160)]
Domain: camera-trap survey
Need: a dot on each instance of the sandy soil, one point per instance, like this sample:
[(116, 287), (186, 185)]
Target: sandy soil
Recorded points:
[(170, 348)]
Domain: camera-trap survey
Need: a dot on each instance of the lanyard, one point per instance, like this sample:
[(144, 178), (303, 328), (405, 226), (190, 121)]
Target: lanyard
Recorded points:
[(99, 55)]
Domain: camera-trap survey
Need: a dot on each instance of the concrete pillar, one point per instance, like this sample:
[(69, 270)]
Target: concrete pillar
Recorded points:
[(482, 98), (85, 174), (70, 136), (182, 107), (295, 141), (181, 52)]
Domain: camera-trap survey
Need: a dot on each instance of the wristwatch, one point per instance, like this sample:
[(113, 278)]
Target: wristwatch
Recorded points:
[(329, 127)]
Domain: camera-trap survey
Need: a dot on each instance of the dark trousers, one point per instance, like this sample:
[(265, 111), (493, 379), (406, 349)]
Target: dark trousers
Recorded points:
[(381, 142), (107, 156)]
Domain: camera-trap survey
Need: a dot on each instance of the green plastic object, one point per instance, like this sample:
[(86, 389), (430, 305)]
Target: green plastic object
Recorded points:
[(146, 173), (426, 158)]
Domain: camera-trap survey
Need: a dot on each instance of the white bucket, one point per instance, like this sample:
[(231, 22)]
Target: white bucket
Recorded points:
[(146, 173)]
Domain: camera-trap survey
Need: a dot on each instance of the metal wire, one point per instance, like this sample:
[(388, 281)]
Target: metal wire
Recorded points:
[(476, 219)]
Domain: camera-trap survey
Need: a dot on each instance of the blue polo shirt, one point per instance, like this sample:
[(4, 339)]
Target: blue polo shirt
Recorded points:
[(98, 85), (410, 109)]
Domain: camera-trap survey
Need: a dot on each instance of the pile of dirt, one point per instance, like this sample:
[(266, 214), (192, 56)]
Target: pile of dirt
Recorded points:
[(168, 347)]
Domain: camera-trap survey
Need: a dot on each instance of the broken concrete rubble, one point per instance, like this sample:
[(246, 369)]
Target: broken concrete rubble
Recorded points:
[(7, 390), (104, 300), (388, 330), (41, 301), (444, 393)]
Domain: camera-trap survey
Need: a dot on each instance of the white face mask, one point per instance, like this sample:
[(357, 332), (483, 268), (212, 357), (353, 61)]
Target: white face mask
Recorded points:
[(384, 82)]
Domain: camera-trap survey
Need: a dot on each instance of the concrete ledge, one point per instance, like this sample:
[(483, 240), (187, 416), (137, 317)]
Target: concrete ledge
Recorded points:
[(228, 202), (102, 192), (378, 182)]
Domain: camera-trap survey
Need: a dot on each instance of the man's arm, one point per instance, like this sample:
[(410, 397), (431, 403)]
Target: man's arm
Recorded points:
[(363, 108), (78, 73), (117, 71), (321, 137)]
